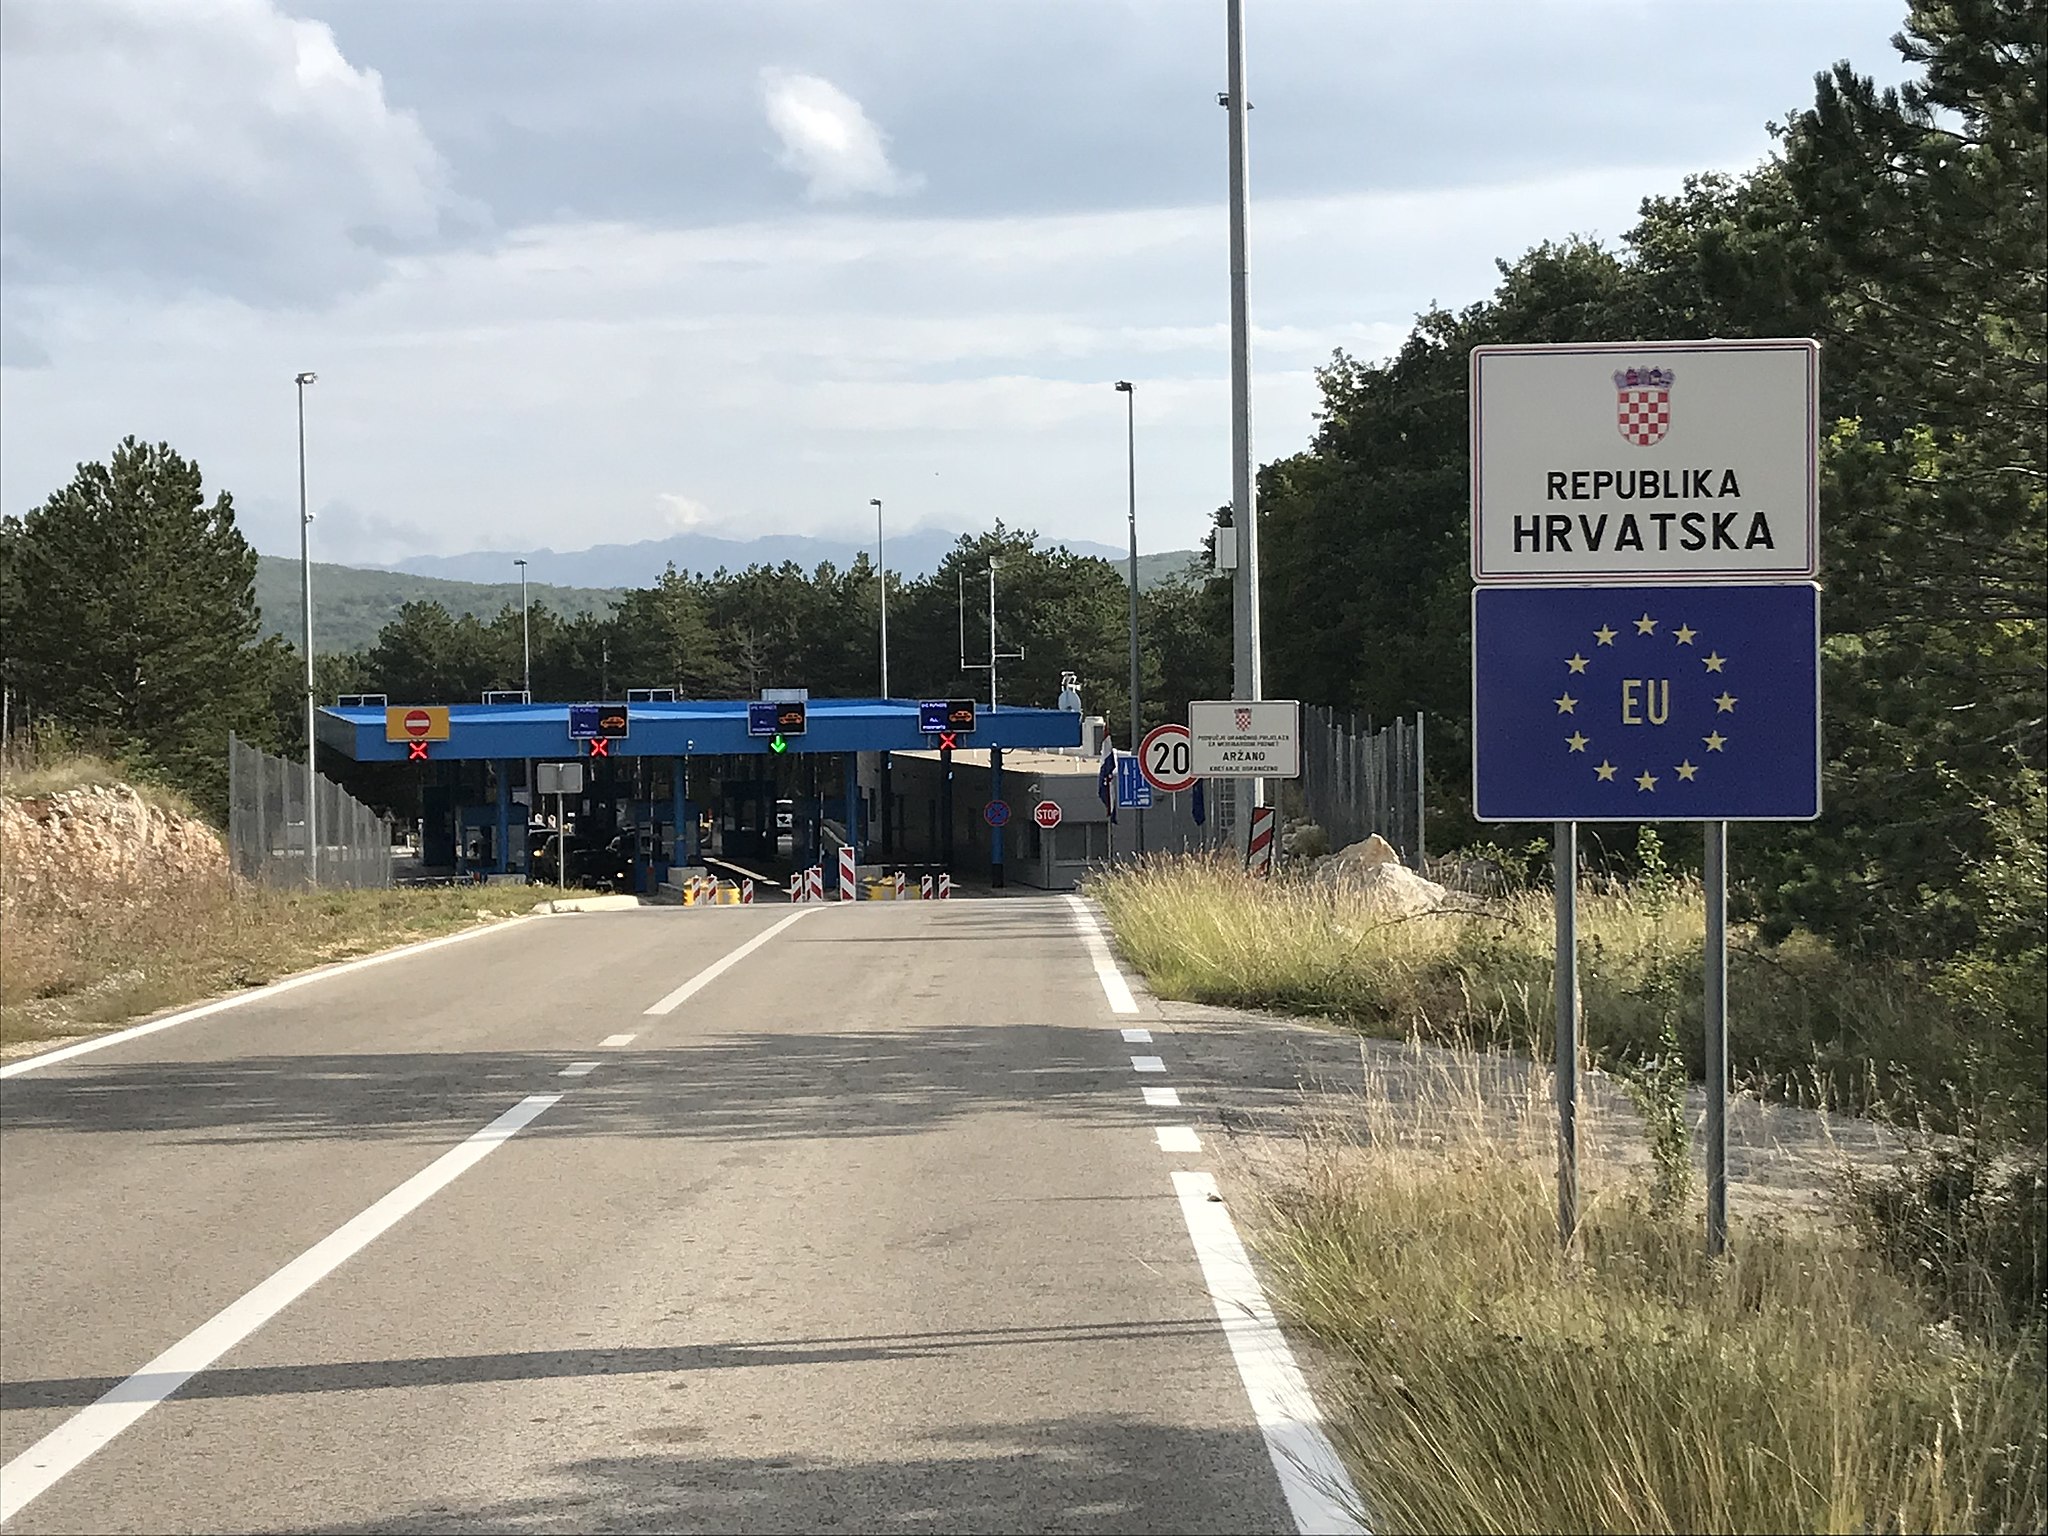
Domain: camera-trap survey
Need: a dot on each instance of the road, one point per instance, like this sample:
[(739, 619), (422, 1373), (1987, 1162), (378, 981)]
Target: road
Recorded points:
[(876, 1227)]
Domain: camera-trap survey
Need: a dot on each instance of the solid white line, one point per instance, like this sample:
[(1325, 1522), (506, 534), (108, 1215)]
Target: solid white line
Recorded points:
[(1318, 1490), (1114, 986), (579, 1069), (612, 1040), (39, 1468), (1161, 1098), (1178, 1138), (1147, 1064), (1137, 1037), (254, 994), (718, 968)]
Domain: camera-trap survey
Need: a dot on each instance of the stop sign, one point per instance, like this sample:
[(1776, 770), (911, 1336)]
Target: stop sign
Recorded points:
[(418, 722), (1046, 814)]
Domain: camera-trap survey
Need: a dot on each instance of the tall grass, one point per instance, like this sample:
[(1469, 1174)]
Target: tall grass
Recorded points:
[(1478, 1380), (1805, 1022)]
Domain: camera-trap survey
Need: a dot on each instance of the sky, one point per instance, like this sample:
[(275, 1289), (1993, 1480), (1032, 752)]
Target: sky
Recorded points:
[(596, 271)]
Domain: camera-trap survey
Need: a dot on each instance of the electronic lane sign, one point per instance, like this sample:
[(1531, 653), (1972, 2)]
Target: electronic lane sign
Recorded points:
[(790, 717), (594, 722), (761, 718), (1648, 703), (939, 717), (1683, 461)]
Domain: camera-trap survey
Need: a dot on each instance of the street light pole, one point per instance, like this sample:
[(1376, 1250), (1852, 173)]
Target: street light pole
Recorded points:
[(525, 635), (1244, 516), (882, 570), (1130, 395), (306, 594)]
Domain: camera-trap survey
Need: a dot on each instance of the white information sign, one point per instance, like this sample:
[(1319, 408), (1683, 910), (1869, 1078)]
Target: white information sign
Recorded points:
[(1245, 739), (1679, 461)]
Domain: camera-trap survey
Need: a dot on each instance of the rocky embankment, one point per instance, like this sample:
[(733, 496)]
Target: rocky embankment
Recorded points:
[(79, 842)]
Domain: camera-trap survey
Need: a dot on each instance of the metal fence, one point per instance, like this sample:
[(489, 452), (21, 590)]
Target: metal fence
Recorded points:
[(1356, 780), (267, 826)]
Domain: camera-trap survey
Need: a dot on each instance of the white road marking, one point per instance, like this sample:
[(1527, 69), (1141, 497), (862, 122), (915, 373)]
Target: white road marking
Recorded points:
[(1114, 987), (1137, 1037), (39, 1468), (1178, 1138), (1317, 1488), (1161, 1098), (718, 968), (254, 994), (1147, 1064), (579, 1069), (611, 1040)]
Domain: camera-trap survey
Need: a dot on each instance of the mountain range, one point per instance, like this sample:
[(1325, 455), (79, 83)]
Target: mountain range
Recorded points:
[(351, 603)]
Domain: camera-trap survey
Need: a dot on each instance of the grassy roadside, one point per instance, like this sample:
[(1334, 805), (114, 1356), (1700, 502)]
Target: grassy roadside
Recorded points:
[(112, 955), (1477, 1381), (1883, 1372)]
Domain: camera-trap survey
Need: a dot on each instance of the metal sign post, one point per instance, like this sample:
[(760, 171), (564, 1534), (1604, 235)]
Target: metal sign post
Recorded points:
[(1716, 1010), (1566, 1077)]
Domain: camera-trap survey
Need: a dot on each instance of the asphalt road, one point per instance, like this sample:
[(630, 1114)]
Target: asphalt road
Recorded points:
[(875, 1229)]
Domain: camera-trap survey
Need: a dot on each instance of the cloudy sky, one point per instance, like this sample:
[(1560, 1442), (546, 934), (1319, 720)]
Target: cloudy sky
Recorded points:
[(584, 272)]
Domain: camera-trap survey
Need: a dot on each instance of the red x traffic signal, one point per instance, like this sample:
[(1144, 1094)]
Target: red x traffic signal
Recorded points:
[(600, 747), (417, 751)]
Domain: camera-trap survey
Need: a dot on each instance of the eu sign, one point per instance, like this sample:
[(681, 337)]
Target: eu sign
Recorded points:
[(1663, 703)]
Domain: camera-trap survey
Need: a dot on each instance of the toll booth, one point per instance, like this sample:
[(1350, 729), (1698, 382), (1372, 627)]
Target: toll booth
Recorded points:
[(746, 818)]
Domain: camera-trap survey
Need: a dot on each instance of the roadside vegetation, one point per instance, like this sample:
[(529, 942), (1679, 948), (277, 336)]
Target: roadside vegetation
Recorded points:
[(97, 943), (1478, 1380), (1878, 1369)]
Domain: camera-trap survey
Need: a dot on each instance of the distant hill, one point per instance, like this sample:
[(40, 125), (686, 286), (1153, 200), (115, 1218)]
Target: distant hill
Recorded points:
[(350, 603)]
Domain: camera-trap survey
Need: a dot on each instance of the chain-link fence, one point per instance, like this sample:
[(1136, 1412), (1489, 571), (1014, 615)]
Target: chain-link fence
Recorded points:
[(1356, 780), (267, 826)]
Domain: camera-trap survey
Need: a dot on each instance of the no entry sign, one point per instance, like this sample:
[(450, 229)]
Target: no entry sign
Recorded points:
[(1046, 814), (416, 723)]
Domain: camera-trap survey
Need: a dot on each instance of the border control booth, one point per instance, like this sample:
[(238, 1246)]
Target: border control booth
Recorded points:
[(666, 783)]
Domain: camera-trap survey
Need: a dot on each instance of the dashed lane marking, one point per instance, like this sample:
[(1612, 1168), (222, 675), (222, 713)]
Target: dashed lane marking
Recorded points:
[(1147, 1064), (1137, 1037), (610, 1041), (579, 1069), (1178, 1138), (1114, 987), (1161, 1098), (719, 967)]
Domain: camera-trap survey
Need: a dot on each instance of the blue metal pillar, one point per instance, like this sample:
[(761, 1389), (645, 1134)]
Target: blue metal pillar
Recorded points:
[(504, 815), (685, 830), (853, 802), (995, 834)]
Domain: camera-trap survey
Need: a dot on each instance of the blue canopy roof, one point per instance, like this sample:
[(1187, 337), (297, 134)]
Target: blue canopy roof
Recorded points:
[(692, 728)]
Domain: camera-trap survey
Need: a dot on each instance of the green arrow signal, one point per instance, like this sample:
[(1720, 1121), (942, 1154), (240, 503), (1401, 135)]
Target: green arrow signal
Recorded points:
[(778, 744)]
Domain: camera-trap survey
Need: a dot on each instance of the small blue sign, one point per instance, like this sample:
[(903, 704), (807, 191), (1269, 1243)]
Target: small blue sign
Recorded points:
[(1697, 703), (1133, 789), (761, 718), (588, 722), (996, 813)]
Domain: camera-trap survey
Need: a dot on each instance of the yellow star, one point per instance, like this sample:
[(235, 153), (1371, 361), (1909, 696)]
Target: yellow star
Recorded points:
[(1566, 704), (1724, 704), (1646, 781), (1604, 635), (1577, 663), (1605, 772), (1646, 625), (1713, 659), (1683, 634), (1715, 742), (1686, 770), (1576, 742)]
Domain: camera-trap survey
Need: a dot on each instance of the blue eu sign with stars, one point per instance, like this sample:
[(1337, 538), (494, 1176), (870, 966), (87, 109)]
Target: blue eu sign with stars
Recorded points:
[(1656, 703)]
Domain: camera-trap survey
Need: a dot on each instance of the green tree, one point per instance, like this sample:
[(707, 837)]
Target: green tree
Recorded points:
[(127, 612)]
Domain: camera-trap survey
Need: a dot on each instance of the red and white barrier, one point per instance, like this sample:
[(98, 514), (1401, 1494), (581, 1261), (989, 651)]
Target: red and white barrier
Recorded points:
[(945, 887), (746, 893), (924, 887), (814, 884), (902, 884), (848, 875), (796, 886), (1259, 855)]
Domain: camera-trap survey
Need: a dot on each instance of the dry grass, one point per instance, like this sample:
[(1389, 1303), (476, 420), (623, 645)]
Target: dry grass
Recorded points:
[(1479, 1381), (1804, 1023), (24, 778), (104, 955)]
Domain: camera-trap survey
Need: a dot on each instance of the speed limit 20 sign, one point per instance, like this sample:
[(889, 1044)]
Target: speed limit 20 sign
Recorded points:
[(1166, 758)]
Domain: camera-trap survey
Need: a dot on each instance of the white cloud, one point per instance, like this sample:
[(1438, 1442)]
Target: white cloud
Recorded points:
[(216, 145), (828, 140), (682, 513)]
